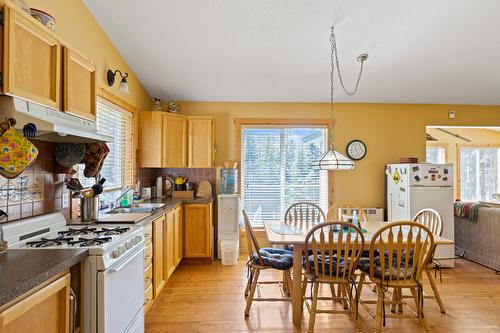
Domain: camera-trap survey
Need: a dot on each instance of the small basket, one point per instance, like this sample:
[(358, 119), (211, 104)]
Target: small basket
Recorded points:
[(229, 252)]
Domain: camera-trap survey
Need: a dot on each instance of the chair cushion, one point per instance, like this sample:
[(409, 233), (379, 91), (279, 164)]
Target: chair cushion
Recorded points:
[(389, 271), (310, 258), (276, 258)]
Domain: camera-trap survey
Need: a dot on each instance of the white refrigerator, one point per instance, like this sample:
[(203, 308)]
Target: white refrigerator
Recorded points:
[(412, 187)]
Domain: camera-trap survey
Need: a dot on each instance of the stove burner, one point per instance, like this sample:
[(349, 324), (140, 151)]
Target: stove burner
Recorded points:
[(86, 242), (112, 231), (46, 242), (75, 232)]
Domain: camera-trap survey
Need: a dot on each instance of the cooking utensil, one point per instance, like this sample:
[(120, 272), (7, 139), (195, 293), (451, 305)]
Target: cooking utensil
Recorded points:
[(69, 154), (29, 130), (74, 184), (94, 158), (89, 209), (98, 188)]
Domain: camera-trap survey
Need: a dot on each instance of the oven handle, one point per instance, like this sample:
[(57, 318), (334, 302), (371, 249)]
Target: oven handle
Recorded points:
[(119, 265)]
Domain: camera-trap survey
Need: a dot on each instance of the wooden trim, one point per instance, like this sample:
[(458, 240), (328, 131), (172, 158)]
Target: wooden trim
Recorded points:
[(110, 97), (468, 145)]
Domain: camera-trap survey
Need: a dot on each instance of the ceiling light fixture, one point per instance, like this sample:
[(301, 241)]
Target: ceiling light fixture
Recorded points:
[(332, 159), (123, 83)]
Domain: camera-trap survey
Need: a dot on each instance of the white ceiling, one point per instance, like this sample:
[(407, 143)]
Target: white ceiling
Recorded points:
[(427, 51)]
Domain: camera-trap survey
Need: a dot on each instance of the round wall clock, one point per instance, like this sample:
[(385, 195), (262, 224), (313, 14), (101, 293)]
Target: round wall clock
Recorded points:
[(356, 150)]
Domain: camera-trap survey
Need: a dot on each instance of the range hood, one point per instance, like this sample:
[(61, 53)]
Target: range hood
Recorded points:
[(52, 125)]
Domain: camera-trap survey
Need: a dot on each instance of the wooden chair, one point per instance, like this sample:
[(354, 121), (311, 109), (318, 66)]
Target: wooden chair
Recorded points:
[(263, 259), (432, 220), (405, 249), (336, 211), (304, 212), (335, 248)]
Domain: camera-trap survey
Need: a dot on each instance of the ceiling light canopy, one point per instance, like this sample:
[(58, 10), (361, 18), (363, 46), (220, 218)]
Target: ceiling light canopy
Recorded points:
[(332, 159)]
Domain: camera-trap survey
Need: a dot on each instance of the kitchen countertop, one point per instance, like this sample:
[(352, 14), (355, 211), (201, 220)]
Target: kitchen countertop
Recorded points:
[(170, 203), (23, 269)]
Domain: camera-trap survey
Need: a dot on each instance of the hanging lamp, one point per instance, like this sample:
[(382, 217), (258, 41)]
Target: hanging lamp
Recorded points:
[(332, 159)]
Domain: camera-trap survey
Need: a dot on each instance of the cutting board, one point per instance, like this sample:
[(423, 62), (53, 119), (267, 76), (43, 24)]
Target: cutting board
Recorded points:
[(122, 217)]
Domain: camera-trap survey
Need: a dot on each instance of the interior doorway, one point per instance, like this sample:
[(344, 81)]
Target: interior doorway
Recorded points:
[(475, 155)]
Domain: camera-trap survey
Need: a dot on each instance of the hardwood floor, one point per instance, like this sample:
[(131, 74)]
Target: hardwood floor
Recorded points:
[(209, 298)]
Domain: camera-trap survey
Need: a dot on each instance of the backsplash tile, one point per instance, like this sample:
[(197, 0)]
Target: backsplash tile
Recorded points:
[(38, 190)]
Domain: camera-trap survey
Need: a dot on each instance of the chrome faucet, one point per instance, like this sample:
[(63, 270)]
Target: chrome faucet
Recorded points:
[(125, 191)]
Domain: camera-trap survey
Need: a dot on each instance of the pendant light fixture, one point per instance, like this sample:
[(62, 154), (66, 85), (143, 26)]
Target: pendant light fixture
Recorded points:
[(332, 159)]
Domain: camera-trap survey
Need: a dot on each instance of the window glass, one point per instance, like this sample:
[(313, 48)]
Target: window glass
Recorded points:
[(436, 155), (479, 173), (276, 170)]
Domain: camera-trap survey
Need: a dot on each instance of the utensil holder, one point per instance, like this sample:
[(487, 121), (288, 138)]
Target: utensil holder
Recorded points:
[(89, 209)]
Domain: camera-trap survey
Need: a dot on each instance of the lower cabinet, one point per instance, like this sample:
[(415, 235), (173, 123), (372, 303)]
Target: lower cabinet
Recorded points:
[(198, 239), (168, 247), (159, 268), (47, 310)]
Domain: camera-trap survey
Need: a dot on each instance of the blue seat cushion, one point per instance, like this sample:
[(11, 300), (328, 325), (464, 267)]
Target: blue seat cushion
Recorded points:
[(389, 270), (327, 264), (276, 258)]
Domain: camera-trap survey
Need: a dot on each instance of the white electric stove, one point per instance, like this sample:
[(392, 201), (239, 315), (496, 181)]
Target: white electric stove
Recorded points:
[(113, 276)]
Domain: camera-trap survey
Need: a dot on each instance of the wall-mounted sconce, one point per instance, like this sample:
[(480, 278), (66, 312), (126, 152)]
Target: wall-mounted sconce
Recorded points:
[(123, 83)]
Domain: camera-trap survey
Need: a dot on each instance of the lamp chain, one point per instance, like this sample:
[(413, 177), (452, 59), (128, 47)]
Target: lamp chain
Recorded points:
[(334, 61)]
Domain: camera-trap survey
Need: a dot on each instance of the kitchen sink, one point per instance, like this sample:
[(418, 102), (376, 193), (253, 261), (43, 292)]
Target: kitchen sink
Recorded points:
[(137, 208)]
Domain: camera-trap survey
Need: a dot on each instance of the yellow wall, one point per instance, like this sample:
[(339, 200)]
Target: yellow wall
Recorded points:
[(77, 26), (478, 136), (389, 130)]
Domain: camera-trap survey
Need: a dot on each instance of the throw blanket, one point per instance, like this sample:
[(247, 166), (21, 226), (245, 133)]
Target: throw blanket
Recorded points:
[(468, 210)]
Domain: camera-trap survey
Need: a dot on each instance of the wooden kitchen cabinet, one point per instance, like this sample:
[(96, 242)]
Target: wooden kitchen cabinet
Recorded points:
[(174, 141), (79, 84), (201, 142), (150, 134), (178, 232), (159, 277), (198, 240), (31, 59), (47, 310), (169, 249)]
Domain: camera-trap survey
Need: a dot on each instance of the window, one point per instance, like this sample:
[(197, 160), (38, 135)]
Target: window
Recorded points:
[(275, 169), (479, 172), (118, 166), (436, 154)]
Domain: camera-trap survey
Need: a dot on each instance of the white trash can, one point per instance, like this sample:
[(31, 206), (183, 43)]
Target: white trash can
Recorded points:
[(230, 251)]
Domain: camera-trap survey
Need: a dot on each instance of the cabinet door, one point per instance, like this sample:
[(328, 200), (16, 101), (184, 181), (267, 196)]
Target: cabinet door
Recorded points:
[(158, 265), (174, 141), (198, 231), (169, 245), (31, 60), (150, 138), (46, 310), (79, 85), (178, 236), (201, 142)]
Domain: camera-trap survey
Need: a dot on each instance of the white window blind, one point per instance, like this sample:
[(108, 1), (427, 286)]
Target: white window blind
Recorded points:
[(118, 166), (479, 173), (275, 171)]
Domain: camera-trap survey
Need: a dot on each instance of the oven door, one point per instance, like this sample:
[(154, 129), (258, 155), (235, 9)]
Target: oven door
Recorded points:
[(120, 294)]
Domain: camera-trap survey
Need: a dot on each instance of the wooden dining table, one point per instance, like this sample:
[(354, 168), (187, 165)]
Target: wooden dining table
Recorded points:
[(297, 240)]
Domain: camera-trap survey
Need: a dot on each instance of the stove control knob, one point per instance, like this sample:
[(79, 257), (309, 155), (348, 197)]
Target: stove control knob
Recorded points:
[(116, 253), (129, 245), (136, 240), (122, 249)]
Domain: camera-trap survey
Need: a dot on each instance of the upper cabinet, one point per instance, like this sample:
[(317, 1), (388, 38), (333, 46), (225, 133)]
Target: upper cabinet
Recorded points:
[(175, 141), (36, 66), (201, 142), (79, 84), (31, 60)]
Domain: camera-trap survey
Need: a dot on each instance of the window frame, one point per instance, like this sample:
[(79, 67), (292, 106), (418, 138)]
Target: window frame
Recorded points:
[(241, 123), (445, 146), (460, 146)]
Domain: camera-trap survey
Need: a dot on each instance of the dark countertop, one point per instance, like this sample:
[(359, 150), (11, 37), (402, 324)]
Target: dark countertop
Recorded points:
[(23, 269), (170, 203)]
